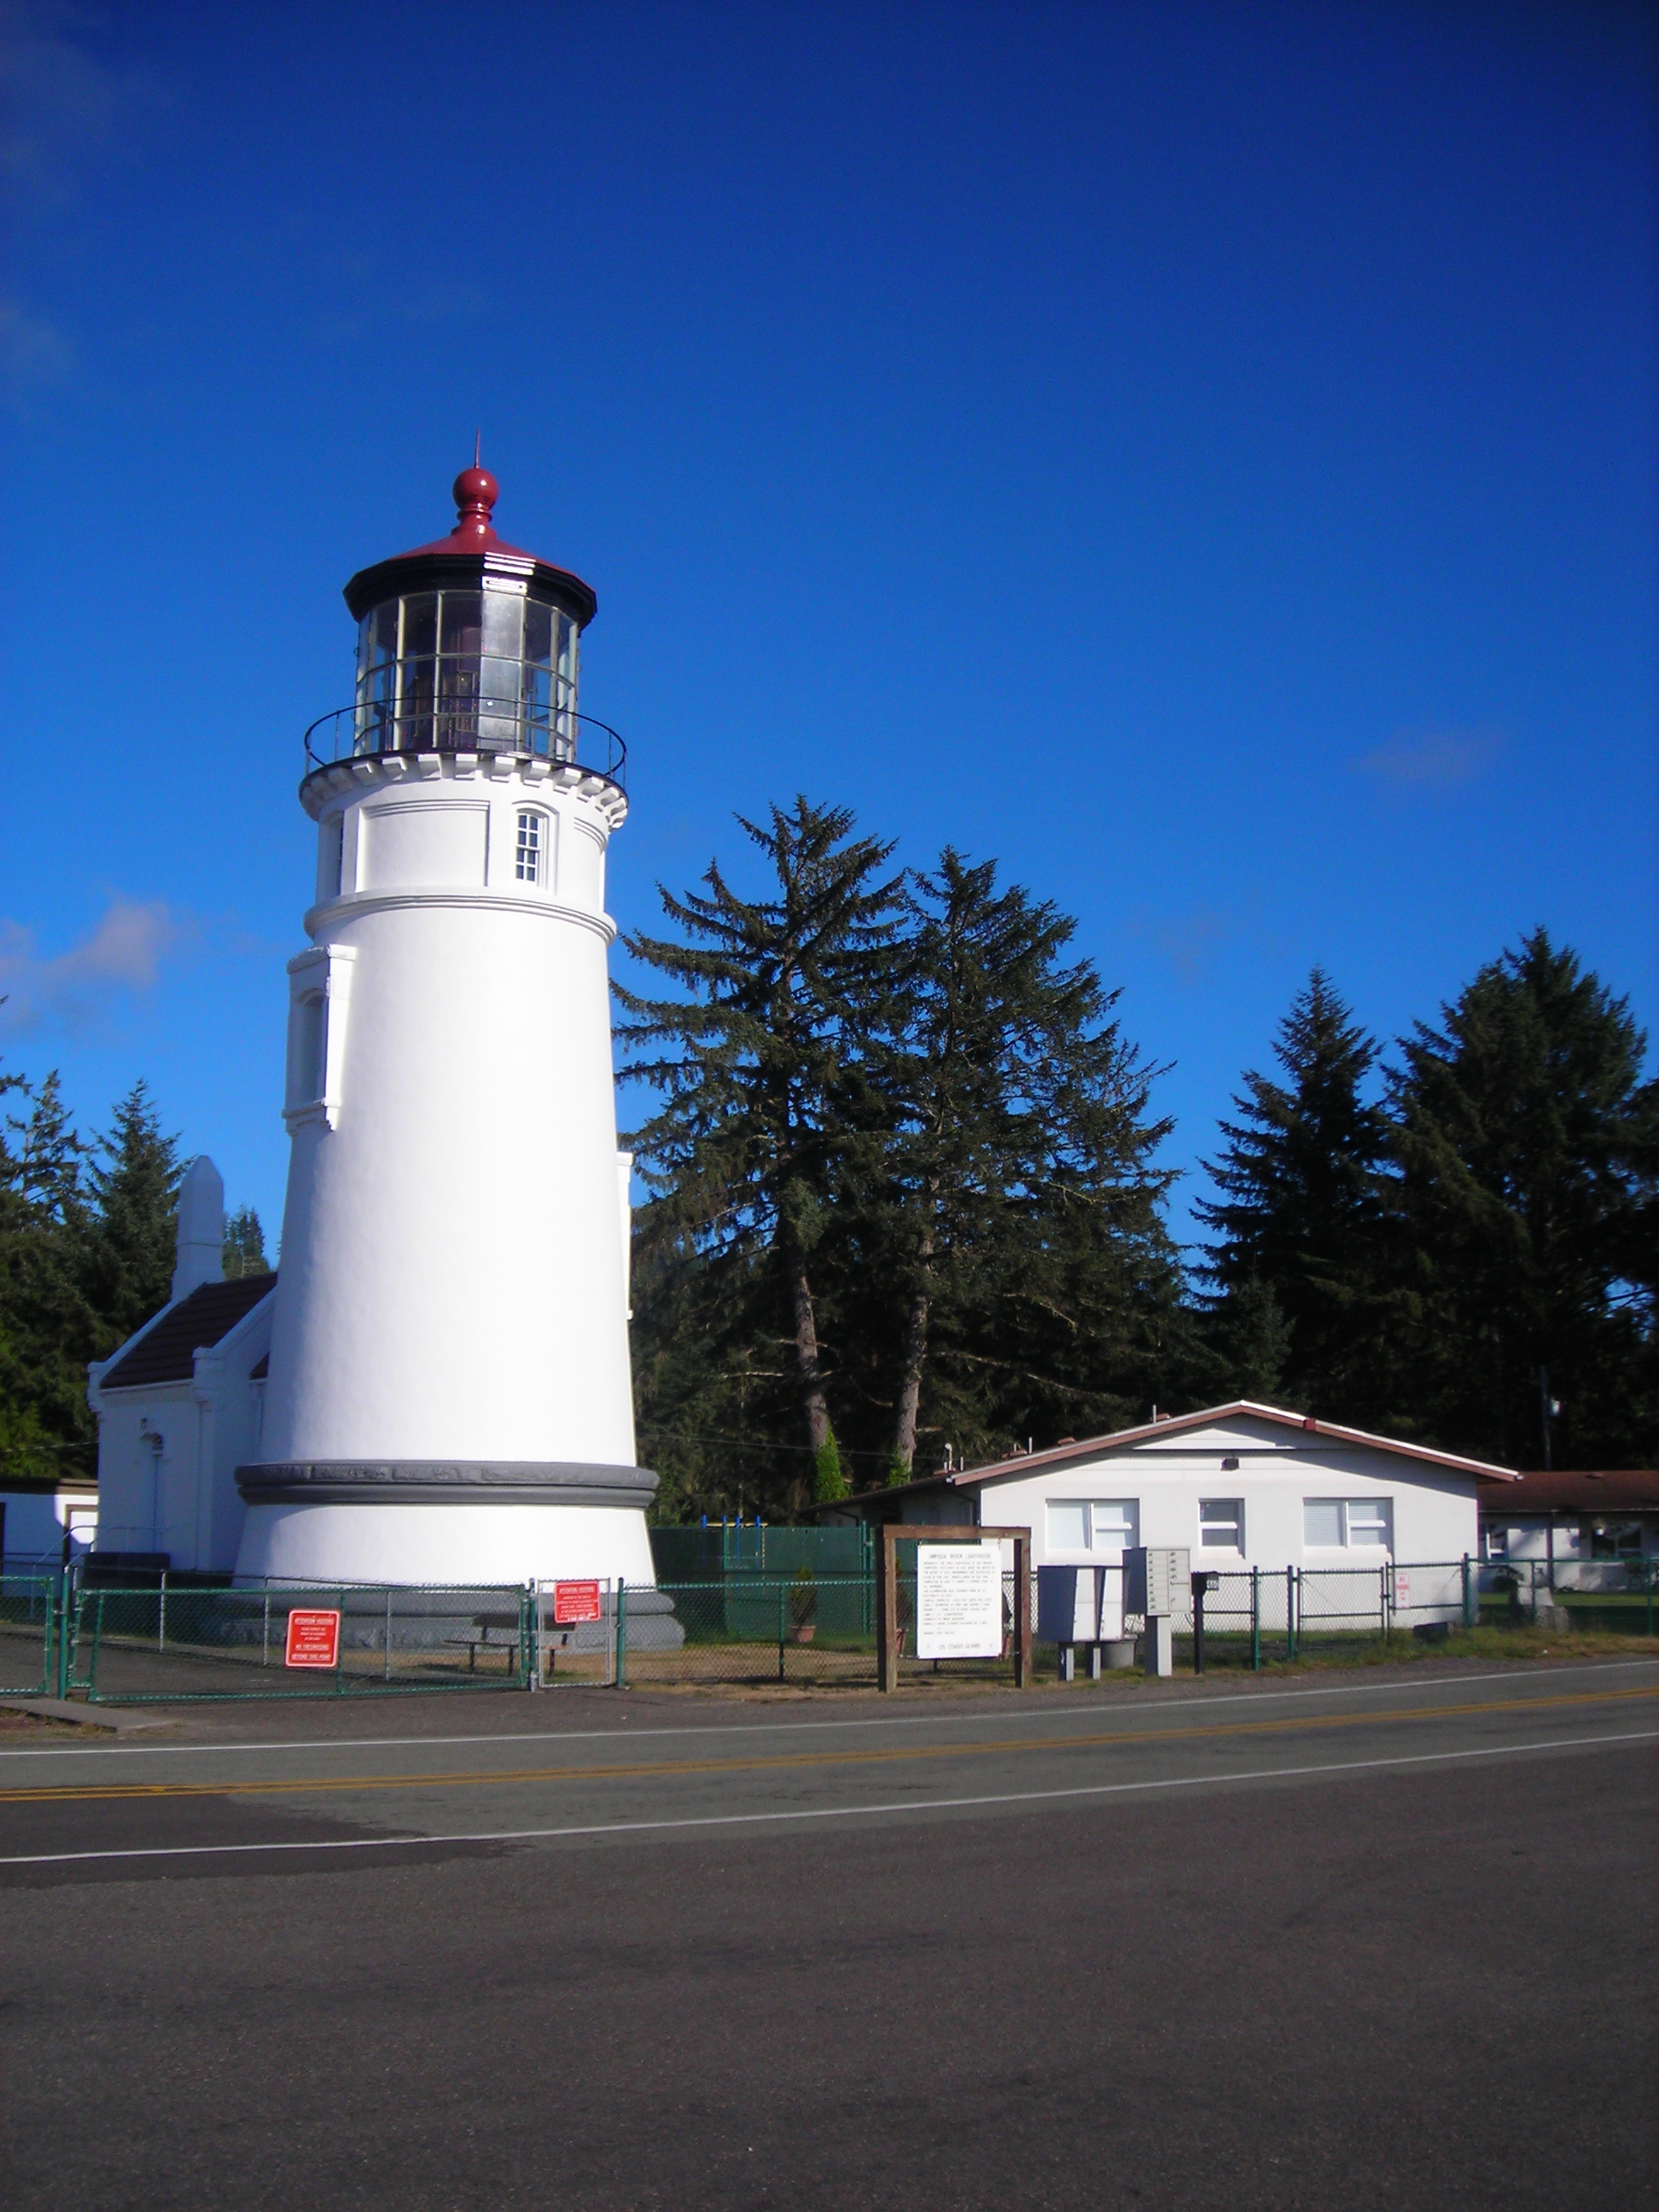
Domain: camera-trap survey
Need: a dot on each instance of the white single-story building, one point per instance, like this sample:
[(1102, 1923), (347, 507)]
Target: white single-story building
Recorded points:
[(36, 1517), (180, 1405), (1587, 1528), (1238, 1486)]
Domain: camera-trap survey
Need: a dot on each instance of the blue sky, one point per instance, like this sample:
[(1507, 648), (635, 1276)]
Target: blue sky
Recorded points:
[(1200, 455)]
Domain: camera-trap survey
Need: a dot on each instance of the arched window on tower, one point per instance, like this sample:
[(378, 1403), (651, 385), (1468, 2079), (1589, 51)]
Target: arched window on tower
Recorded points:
[(530, 853)]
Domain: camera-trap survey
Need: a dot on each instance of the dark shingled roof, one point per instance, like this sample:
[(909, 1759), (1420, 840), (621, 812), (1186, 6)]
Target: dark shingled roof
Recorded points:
[(165, 1352), (1569, 1489)]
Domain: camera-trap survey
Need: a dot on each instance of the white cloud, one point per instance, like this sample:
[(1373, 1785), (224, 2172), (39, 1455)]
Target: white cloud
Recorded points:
[(1433, 760), (124, 953)]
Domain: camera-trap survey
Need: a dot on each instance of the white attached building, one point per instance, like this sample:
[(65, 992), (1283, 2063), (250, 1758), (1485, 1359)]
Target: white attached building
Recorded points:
[(1238, 1486), (179, 1404)]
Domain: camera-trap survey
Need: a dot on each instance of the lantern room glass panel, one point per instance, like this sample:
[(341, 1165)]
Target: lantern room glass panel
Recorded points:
[(485, 670)]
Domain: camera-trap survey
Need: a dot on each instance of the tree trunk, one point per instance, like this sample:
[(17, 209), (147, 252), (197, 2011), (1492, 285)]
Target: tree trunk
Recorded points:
[(806, 1352), (915, 1358)]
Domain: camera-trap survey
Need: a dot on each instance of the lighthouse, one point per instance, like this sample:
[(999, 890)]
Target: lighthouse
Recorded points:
[(449, 1397)]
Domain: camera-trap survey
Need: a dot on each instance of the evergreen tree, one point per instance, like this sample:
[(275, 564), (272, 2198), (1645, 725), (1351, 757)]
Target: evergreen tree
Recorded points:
[(244, 1245), (1297, 1262), (48, 1330), (1529, 1149), (131, 1248), (1021, 1228), (763, 1100)]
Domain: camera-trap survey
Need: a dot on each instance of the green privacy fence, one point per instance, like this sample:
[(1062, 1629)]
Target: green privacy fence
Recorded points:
[(166, 1646), (718, 1549), (29, 1624)]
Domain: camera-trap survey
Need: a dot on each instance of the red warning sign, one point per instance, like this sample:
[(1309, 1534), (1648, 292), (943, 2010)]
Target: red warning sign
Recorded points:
[(574, 1602), (314, 1639)]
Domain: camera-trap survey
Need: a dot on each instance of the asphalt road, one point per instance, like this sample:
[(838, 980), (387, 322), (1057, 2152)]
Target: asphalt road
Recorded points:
[(1370, 1941)]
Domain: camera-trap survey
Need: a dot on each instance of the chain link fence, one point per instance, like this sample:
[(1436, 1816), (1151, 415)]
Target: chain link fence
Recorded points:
[(28, 1626), (164, 1646), (740, 1629)]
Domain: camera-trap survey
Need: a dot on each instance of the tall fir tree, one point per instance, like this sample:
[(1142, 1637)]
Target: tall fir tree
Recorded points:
[(761, 1102), (134, 1180), (1021, 1230), (1297, 1261), (1528, 1233), (244, 1245), (48, 1327)]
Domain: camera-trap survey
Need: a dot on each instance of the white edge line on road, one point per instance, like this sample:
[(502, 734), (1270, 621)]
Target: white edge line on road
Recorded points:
[(795, 1727), (832, 1811)]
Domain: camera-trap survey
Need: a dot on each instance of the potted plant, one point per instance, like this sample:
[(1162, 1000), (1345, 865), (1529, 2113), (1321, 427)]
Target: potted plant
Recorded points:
[(803, 1606)]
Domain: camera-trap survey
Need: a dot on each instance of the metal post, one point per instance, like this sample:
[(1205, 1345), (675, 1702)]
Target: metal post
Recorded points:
[(162, 1615), (1290, 1612), (1383, 1573), (1022, 1611), (1466, 1622), (388, 1632), (1198, 1624), (1255, 1620), (621, 1633), (265, 1638), (781, 1631)]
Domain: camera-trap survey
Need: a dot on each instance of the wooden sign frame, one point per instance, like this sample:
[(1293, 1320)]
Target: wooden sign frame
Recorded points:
[(895, 1532)]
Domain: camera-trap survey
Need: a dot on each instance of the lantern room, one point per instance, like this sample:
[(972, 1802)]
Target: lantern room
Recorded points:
[(468, 644)]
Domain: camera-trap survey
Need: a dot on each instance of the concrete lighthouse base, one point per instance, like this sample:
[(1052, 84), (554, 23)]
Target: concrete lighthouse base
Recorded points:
[(418, 1520)]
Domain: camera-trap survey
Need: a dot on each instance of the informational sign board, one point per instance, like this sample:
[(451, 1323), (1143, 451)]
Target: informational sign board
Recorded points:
[(958, 1600), (574, 1601), (314, 1639)]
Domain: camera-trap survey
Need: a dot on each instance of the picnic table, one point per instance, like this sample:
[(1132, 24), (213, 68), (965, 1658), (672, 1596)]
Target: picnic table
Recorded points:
[(485, 1623)]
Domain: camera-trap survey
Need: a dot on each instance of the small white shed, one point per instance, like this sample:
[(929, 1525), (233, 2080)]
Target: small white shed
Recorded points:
[(1239, 1487)]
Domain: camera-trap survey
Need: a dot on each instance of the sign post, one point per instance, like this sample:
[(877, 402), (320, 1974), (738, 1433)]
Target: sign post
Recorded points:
[(955, 1598)]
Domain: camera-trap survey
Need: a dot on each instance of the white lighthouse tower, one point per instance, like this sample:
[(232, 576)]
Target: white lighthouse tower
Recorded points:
[(449, 1392)]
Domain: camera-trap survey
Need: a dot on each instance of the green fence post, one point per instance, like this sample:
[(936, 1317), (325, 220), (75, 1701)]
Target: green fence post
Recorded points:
[(1650, 1597), (339, 1645), (1255, 1620), (53, 1616), (621, 1633), (1289, 1613), (162, 1615), (1466, 1622), (265, 1639), (781, 1627)]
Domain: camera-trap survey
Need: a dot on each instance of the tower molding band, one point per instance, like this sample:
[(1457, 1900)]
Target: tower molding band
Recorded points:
[(445, 1482), (336, 913)]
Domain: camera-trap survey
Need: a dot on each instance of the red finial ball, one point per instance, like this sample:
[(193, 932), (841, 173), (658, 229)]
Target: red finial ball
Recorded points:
[(476, 493)]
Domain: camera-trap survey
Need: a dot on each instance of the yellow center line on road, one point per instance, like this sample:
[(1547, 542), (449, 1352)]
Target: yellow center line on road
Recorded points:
[(873, 1756)]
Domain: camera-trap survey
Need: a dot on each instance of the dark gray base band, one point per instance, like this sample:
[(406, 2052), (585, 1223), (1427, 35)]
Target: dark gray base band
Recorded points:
[(444, 1482)]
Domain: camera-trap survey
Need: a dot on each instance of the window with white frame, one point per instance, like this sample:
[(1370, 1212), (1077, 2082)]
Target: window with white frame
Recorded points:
[(529, 853), (319, 988), (1498, 1543), (1221, 1524), (1348, 1523), (1101, 1525)]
